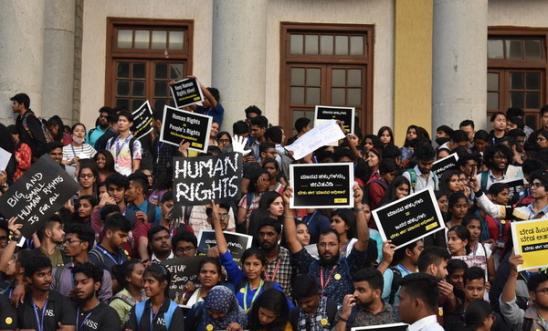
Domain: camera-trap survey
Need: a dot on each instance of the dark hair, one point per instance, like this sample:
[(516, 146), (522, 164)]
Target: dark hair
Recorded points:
[(167, 196), (274, 134), (254, 178), (370, 275), (260, 121), (109, 159), (215, 93), (390, 132), (536, 279), (541, 175), (118, 180), (327, 232), (489, 155), (387, 166), (459, 136), (496, 188), (253, 109), (473, 273), (215, 262), (445, 129), (161, 274), (304, 286), (422, 286), (275, 224), (446, 178), (108, 210), (124, 113), (140, 179), (494, 116), (53, 145), (91, 165), (122, 271), (223, 133), (32, 265), (390, 194), (265, 146), (73, 127), (250, 252), (469, 218), (185, 236), (240, 128), (467, 123), (84, 232), (476, 313), (455, 264), (117, 222), (390, 152), (463, 234), (399, 254), (154, 230), (342, 152), (55, 218), (465, 157), (90, 270), (22, 98), (55, 120), (432, 255), (425, 152), (272, 300), (349, 218), (301, 123), (453, 198)]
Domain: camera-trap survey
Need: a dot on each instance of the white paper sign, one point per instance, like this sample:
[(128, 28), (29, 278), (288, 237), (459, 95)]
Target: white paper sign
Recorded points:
[(5, 157), (321, 135)]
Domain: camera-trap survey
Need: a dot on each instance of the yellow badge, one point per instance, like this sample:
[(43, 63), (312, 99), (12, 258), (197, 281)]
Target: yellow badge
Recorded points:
[(8, 320), (209, 327), (337, 277), (242, 290), (323, 321)]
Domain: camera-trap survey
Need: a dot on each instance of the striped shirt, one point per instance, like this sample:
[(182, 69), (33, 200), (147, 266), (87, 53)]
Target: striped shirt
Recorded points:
[(86, 151)]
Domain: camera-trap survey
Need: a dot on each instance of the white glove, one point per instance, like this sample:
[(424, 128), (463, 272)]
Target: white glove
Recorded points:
[(238, 145)]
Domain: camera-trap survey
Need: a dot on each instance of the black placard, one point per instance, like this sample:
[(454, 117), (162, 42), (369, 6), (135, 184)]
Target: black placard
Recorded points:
[(38, 194), (186, 92), (409, 219), (183, 270), (237, 242), (383, 327), (142, 121), (447, 163), (179, 125), (514, 187), (199, 180), (327, 185), (343, 114)]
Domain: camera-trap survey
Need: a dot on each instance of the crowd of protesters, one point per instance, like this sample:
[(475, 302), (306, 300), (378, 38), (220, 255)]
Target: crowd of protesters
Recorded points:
[(96, 263)]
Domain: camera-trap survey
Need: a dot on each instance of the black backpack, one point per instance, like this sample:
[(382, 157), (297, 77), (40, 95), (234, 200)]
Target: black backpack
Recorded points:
[(396, 280)]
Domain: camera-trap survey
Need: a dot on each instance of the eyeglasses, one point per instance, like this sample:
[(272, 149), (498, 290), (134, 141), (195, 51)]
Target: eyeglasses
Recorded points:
[(86, 176), (536, 184)]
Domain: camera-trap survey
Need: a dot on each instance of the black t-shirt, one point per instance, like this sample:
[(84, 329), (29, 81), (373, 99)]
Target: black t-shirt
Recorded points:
[(102, 317), (8, 317), (58, 309), (158, 323)]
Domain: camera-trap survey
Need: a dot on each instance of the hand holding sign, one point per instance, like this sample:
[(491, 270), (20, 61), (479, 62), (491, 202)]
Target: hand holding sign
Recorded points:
[(515, 261)]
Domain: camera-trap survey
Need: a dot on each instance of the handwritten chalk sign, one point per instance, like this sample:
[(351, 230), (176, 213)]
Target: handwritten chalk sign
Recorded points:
[(342, 114), (321, 135), (38, 194), (186, 92), (383, 327), (237, 242), (531, 242), (409, 219), (327, 185), (447, 163), (183, 270), (142, 120), (198, 180), (179, 125)]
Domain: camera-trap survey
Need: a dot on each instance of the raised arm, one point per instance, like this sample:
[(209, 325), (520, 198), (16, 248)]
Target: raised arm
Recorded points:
[(222, 246), (12, 244), (289, 224), (509, 290), (208, 96), (361, 221)]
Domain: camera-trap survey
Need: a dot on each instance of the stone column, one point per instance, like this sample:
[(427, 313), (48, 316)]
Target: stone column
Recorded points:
[(459, 75), (21, 53), (58, 71), (239, 55)]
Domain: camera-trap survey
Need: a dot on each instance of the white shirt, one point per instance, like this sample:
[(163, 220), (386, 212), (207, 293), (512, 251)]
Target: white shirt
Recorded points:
[(428, 323), (154, 259)]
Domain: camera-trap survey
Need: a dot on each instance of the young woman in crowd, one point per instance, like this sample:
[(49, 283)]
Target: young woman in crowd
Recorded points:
[(277, 180), (480, 254), (210, 275), (450, 181), (86, 203), (373, 162), (270, 312), (343, 222), (129, 277), (303, 235), (218, 311), (22, 153), (56, 129), (87, 178), (77, 149), (270, 206), (479, 316), (457, 242), (399, 188), (224, 141), (105, 164), (458, 209), (498, 122), (386, 136), (258, 184)]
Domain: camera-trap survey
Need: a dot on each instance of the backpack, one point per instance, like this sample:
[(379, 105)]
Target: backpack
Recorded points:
[(168, 315), (131, 143), (413, 178), (43, 124), (396, 279)]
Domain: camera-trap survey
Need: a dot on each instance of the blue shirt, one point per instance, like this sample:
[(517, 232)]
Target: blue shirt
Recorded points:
[(131, 209), (95, 134), (216, 112)]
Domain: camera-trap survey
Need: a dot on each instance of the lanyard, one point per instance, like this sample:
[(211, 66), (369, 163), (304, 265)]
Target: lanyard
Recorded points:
[(323, 286), (160, 145), (40, 321), (110, 256), (254, 296), (152, 318), (120, 147), (81, 325), (276, 269), (74, 152)]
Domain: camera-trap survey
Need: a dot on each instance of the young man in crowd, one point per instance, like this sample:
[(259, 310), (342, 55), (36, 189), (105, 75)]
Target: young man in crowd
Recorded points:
[(116, 188), (108, 253), (79, 239), (250, 113), (51, 236), (302, 126), (126, 150), (43, 309), (419, 301), (92, 314), (258, 129), (138, 208), (469, 128), (433, 261), (184, 244), (30, 129), (211, 104), (314, 311), (421, 176), (365, 306), (159, 243), (102, 127)]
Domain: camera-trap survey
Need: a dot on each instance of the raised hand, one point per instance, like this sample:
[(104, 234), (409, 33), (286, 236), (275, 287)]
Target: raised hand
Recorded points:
[(238, 145)]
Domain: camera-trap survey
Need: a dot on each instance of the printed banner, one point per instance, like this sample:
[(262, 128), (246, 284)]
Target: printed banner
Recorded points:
[(179, 125), (442, 165), (186, 92), (38, 194), (409, 219), (142, 121), (183, 270), (327, 185), (198, 180), (237, 242), (531, 242), (342, 114)]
